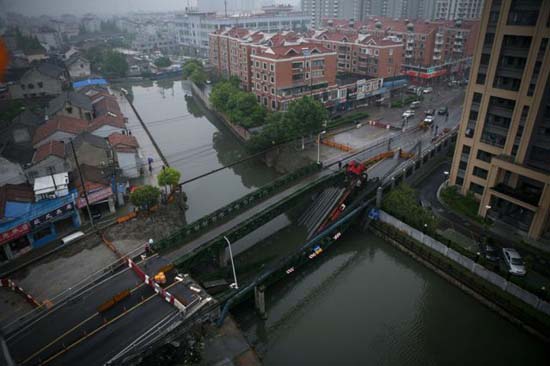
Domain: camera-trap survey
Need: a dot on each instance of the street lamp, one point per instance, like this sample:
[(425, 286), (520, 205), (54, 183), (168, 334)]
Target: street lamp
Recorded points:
[(234, 284), (319, 146)]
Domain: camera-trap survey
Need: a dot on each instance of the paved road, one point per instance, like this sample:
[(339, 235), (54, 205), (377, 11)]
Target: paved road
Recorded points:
[(74, 322)]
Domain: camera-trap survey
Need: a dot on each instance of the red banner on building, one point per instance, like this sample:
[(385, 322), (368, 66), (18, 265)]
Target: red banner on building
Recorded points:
[(425, 75), (14, 233), (95, 197)]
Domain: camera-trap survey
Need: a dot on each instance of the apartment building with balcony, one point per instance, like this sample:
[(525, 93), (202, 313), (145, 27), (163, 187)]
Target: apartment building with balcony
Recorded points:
[(503, 148), (361, 53), (430, 49)]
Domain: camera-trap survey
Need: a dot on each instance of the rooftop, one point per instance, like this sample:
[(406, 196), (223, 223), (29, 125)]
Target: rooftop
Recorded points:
[(59, 123), (123, 143), (114, 120), (68, 97), (52, 148)]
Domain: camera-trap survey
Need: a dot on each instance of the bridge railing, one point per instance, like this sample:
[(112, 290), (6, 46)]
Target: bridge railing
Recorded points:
[(193, 229), (255, 221), (69, 293)]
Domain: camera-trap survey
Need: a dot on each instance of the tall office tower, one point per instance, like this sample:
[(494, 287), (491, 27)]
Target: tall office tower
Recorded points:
[(458, 9), (326, 9), (503, 148)]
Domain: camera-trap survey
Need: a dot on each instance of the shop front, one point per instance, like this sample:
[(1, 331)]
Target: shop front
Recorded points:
[(15, 242), (47, 227)]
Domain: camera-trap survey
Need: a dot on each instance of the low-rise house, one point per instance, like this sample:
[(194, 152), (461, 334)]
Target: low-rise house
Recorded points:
[(16, 137), (107, 124), (71, 104), (98, 183), (15, 201), (49, 158), (42, 80), (78, 67), (104, 103), (60, 128), (91, 150), (36, 55), (51, 186), (126, 151)]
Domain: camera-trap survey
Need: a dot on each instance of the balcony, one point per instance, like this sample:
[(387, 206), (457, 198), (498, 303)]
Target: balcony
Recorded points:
[(408, 55), (437, 57), (410, 40), (409, 48), (509, 72), (439, 41), (459, 36), (437, 50), (519, 194), (457, 49)]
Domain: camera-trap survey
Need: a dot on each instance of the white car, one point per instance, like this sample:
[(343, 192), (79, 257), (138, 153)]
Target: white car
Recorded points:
[(428, 90), (429, 120), (513, 261), (408, 113)]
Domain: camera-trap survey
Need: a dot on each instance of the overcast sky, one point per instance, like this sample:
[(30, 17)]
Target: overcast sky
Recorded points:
[(57, 7)]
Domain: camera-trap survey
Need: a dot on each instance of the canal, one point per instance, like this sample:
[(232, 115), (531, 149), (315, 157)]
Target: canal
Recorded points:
[(366, 303), (195, 142), (362, 302)]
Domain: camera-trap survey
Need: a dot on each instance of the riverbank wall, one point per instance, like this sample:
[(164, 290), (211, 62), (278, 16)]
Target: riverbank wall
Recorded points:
[(514, 303), (242, 133)]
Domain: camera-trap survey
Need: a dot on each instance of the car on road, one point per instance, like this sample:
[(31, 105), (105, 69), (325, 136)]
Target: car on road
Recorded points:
[(428, 90), (408, 113), (414, 104), (443, 110), (489, 252), (429, 120), (513, 262), (429, 112), (411, 89)]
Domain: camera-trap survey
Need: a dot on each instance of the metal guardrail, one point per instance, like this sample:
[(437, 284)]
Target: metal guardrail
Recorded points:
[(202, 224), (63, 297)]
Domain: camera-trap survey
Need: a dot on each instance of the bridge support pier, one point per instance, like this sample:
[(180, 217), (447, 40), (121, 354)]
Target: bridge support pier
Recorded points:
[(259, 300), (379, 193)]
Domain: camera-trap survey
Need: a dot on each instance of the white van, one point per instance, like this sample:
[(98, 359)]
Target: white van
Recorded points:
[(414, 104)]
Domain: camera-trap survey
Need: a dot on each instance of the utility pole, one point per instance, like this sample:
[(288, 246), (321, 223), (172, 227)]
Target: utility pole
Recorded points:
[(225, 6), (83, 185)]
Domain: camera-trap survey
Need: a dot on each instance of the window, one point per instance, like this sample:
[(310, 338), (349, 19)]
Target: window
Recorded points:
[(23, 86), (30, 86), (265, 66), (257, 64), (459, 181), (480, 172), (40, 84), (484, 156), (272, 79), (265, 77), (462, 165), (271, 67), (476, 188), (69, 110), (390, 52)]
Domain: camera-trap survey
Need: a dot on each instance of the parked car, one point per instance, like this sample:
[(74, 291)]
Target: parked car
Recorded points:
[(513, 262), (443, 110), (428, 90), (411, 89), (408, 113), (489, 252), (429, 120), (453, 83), (429, 112), (414, 104)]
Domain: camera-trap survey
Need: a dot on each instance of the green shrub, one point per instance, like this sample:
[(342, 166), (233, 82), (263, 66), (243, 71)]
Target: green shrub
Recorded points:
[(465, 205)]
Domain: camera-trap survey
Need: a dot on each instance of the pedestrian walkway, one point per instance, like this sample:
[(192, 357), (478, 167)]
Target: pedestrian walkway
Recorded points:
[(147, 149)]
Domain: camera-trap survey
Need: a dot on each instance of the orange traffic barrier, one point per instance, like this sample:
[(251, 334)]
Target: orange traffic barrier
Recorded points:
[(113, 301), (337, 145), (125, 218)]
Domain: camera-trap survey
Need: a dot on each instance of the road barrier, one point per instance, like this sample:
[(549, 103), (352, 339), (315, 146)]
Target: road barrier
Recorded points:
[(336, 145), (7, 283)]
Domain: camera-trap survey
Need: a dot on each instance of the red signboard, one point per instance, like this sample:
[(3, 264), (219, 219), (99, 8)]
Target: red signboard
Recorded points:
[(425, 75), (95, 197), (15, 233)]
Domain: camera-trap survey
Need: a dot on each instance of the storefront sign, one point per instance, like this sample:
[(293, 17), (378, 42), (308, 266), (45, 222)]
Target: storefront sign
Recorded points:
[(95, 197), (14, 233), (50, 216)]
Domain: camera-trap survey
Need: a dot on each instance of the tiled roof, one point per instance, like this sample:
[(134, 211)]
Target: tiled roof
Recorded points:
[(59, 123), (106, 119), (94, 178), (27, 118), (73, 98), (104, 104), (51, 70), (123, 143), (55, 148), (293, 50), (88, 138)]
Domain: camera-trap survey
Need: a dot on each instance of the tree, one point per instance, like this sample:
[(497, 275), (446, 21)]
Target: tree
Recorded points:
[(163, 62), (198, 76), (114, 64), (402, 202), (243, 109), (190, 66), (219, 96), (145, 197), (306, 115), (169, 177)]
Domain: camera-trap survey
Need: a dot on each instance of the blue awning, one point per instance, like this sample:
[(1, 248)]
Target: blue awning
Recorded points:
[(88, 82)]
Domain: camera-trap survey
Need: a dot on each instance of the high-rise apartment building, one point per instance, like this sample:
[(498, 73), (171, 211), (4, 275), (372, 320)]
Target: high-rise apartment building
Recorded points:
[(324, 9), (410, 9), (503, 147), (458, 9)]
